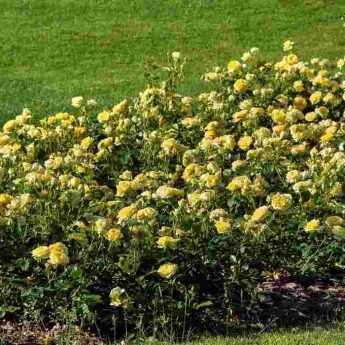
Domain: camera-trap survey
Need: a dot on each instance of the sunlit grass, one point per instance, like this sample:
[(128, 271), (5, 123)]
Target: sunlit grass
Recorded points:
[(53, 50)]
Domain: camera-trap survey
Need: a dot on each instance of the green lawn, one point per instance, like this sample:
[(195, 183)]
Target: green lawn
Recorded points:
[(53, 50), (316, 337)]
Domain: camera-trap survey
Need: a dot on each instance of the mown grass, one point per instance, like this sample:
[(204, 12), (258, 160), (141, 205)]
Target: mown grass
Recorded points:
[(53, 50), (297, 337)]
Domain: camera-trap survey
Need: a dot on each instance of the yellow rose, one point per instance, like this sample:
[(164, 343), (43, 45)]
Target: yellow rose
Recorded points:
[(311, 116), (5, 199), (259, 214), (312, 226), (299, 103), (77, 101), (123, 188), (170, 146), (281, 202), (118, 297), (57, 258), (103, 117), (9, 126), (223, 226), (239, 183), (114, 235), (278, 116), (245, 142), (234, 66), (167, 270), (86, 143), (192, 171), (315, 97), (146, 214), (298, 85), (41, 252), (241, 86), (167, 242), (58, 254), (166, 192), (292, 59), (126, 213)]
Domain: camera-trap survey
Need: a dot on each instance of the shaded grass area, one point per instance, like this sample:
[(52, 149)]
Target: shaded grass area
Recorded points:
[(51, 51)]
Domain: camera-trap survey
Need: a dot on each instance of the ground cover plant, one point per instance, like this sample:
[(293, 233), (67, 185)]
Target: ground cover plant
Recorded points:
[(162, 214), (51, 51)]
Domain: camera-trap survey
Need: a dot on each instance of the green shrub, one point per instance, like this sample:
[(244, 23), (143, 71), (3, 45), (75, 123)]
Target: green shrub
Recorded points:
[(162, 214)]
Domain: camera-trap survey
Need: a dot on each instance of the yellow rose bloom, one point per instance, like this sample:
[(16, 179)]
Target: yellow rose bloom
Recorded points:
[(118, 298), (259, 214), (234, 66), (278, 116), (41, 252), (239, 183), (166, 192), (126, 212), (167, 242), (167, 270), (315, 97), (299, 103), (77, 101), (146, 214), (223, 226), (9, 126), (57, 258), (170, 146), (114, 235), (241, 86), (103, 117), (191, 172), (58, 254), (209, 180), (123, 188), (281, 202), (311, 116), (312, 226), (322, 111), (245, 142), (5, 199), (298, 85), (86, 143), (292, 59), (293, 176)]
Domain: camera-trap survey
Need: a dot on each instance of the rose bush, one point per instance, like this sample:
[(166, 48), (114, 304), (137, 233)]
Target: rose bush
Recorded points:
[(163, 213)]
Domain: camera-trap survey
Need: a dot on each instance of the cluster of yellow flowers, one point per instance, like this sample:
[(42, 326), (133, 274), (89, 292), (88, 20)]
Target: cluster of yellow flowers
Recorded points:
[(57, 254), (264, 150)]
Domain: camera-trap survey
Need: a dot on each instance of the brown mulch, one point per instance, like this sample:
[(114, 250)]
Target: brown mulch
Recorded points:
[(28, 334), (291, 301)]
